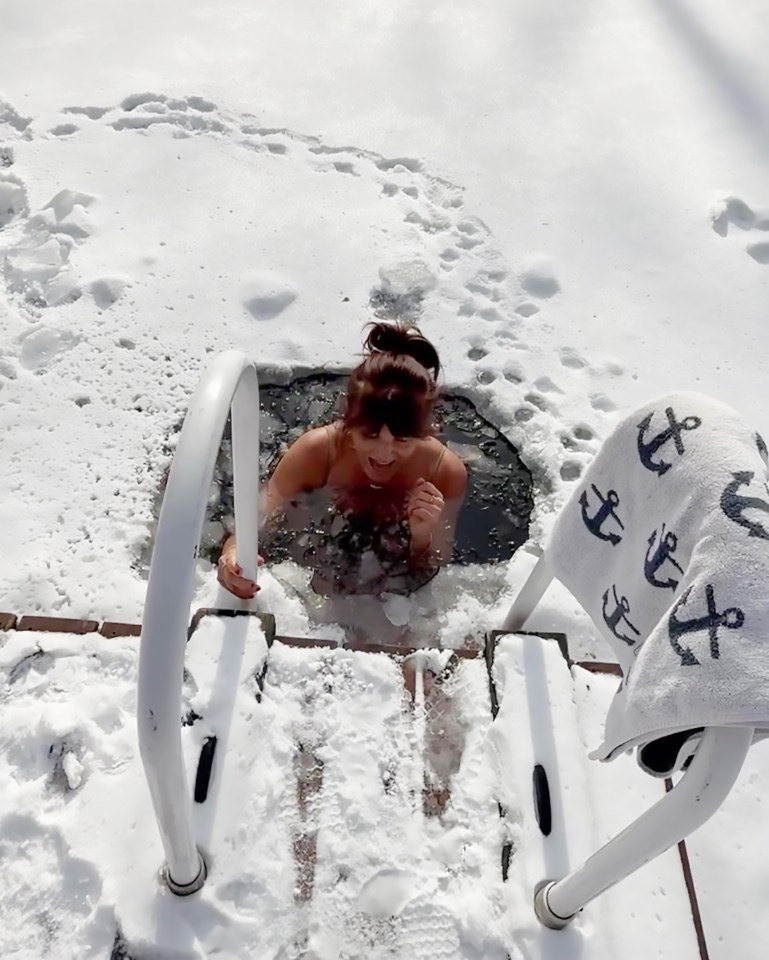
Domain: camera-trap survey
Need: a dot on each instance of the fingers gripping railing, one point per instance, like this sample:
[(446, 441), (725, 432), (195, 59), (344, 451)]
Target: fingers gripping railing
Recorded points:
[(230, 383)]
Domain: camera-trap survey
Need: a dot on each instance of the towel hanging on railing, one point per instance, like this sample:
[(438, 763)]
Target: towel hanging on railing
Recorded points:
[(665, 543)]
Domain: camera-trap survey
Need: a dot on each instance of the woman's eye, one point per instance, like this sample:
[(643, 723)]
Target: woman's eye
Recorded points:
[(402, 439)]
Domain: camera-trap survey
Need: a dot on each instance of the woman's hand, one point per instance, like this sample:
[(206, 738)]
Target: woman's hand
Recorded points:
[(424, 510), (230, 573)]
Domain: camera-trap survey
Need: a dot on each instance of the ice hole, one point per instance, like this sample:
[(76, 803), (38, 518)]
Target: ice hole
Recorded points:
[(493, 521)]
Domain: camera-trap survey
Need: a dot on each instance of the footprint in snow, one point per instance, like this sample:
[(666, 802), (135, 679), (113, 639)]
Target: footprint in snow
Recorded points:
[(13, 123), (599, 401), (265, 294), (759, 251), (538, 278), (570, 358), (13, 196), (64, 130), (52, 902), (733, 211), (37, 266)]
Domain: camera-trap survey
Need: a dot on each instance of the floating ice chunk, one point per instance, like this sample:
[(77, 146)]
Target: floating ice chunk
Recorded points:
[(397, 609), (465, 451)]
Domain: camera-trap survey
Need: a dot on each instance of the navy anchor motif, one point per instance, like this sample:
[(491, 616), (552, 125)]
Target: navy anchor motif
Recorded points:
[(734, 505), (646, 450), (731, 619), (663, 553), (618, 616), (608, 505)]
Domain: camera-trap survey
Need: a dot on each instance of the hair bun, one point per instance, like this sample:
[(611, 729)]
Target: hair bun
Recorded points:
[(400, 339)]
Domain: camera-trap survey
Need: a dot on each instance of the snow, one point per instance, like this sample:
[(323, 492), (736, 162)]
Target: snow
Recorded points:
[(573, 199)]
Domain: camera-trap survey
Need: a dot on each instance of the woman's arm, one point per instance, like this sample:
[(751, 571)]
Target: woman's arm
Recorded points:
[(433, 546), (303, 467)]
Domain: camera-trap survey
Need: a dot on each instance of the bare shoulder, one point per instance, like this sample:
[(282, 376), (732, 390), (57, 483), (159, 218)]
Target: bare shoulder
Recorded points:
[(312, 441), (304, 466), (451, 476)]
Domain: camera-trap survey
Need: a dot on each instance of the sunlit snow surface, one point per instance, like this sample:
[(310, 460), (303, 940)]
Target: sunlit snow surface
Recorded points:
[(114, 309), (346, 817), (573, 202)]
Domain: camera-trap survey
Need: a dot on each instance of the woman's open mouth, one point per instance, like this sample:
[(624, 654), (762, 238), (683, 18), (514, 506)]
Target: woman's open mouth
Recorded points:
[(381, 466)]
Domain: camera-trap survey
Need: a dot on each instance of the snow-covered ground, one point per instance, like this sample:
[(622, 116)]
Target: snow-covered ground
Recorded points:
[(579, 193)]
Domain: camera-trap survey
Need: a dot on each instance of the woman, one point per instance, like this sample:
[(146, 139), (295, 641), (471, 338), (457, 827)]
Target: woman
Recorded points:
[(396, 489)]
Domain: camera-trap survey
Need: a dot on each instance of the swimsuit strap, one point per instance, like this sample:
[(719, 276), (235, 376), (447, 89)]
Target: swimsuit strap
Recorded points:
[(331, 451), (438, 463)]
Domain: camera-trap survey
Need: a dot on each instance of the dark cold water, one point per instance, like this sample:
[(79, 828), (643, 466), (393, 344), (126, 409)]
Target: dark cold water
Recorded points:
[(494, 520)]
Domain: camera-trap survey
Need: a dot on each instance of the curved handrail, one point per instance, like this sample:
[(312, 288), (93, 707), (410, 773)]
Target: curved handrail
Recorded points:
[(230, 383), (700, 792)]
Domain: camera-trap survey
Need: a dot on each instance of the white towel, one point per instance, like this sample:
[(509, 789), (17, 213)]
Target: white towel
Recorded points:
[(666, 545)]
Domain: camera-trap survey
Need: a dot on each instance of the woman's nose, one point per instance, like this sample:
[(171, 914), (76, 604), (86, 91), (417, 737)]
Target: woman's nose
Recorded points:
[(385, 440)]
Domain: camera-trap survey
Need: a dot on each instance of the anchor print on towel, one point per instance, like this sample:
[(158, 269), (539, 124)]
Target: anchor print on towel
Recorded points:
[(618, 616), (734, 505), (647, 449), (762, 448), (732, 618), (657, 556), (594, 523)]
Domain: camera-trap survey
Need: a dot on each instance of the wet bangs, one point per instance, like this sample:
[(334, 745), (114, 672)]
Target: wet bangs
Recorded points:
[(403, 413)]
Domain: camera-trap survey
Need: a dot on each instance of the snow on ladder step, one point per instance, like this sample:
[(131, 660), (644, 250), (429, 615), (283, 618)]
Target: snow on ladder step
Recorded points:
[(333, 824), (383, 884)]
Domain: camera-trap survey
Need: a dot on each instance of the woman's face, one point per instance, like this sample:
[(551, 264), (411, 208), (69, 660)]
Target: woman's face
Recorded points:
[(380, 453)]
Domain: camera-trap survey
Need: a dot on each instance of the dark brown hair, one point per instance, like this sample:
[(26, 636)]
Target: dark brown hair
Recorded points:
[(395, 385)]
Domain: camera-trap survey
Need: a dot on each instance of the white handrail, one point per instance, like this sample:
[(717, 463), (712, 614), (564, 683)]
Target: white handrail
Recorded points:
[(700, 792), (230, 383), (529, 595)]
